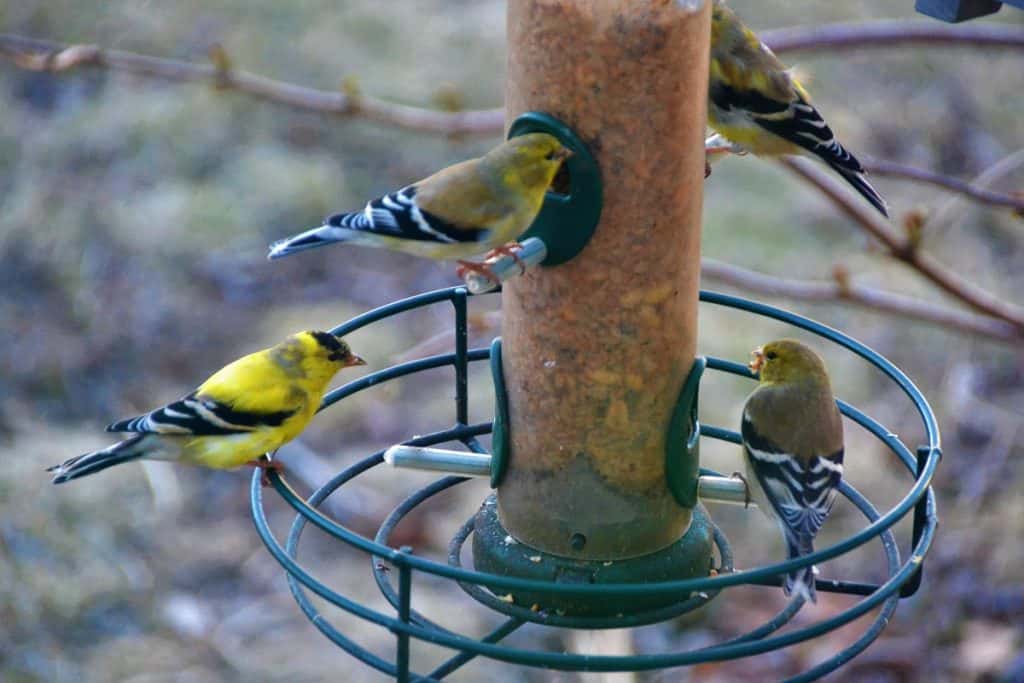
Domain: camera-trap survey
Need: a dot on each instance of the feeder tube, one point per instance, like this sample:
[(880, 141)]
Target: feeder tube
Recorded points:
[(710, 488), (596, 349)]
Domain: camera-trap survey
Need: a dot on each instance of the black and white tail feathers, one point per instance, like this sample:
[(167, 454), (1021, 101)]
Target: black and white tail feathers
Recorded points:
[(395, 215), (861, 184), (90, 463), (800, 581), (802, 498), (806, 128), (801, 495)]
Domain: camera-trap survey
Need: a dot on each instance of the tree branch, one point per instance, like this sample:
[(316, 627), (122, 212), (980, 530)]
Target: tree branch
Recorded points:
[(947, 212), (842, 289), (895, 169), (905, 249), (44, 55), (834, 37)]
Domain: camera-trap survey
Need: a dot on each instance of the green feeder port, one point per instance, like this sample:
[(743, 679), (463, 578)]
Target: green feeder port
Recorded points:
[(569, 217), (497, 551)]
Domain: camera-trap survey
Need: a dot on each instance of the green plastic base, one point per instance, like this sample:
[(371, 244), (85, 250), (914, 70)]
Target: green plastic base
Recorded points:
[(495, 551)]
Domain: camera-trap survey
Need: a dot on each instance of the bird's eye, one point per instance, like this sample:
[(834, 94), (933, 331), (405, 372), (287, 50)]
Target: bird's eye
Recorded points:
[(550, 156), (771, 355)]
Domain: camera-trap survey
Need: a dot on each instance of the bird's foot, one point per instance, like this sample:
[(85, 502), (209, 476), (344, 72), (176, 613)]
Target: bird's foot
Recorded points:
[(474, 267), (265, 465), (512, 249), (715, 147), (746, 488)]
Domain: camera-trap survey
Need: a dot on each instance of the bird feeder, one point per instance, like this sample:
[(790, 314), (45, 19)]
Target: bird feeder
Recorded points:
[(597, 518), (595, 351), (665, 599)]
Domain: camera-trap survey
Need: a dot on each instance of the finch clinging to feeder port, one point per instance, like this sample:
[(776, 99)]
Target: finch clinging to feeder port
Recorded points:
[(458, 212)]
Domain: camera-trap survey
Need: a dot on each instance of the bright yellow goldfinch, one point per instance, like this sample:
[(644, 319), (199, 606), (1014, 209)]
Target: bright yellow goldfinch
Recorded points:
[(249, 407), (757, 104), (793, 443), (458, 212)]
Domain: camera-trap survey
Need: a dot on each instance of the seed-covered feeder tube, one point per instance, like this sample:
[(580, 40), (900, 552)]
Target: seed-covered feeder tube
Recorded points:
[(596, 350)]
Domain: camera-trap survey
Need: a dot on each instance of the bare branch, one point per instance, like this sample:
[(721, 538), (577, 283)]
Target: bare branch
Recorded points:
[(897, 170), (45, 55), (842, 289), (834, 37), (903, 249), (948, 212)]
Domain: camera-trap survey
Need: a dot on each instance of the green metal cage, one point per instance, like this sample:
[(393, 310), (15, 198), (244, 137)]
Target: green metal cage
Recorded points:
[(678, 597)]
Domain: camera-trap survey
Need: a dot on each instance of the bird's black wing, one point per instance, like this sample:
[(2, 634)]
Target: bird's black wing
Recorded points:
[(398, 215), (802, 496), (200, 417)]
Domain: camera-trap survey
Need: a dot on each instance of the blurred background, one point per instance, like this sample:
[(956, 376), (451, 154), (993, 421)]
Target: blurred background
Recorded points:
[(134, 220)]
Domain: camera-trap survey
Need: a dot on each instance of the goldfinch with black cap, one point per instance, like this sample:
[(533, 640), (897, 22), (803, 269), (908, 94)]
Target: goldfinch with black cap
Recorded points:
[(250, 407)]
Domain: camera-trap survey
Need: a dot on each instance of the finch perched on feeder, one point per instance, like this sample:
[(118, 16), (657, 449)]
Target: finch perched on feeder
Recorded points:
[(755, 103), (458, 212), (793, 446), (249, 407)]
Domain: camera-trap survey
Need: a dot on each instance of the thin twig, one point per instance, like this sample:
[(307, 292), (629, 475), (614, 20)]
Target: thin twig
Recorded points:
[(44, 55), (947, 213), (841, 288), (903, 249), (888, 33), (894, 169)]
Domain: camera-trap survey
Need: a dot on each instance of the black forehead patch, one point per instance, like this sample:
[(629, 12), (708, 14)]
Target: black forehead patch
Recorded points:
[(328, 341)]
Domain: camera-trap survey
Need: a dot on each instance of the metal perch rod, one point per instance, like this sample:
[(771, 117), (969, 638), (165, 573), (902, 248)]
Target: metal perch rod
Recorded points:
[(710, 488), (439, 460), (531, 251)]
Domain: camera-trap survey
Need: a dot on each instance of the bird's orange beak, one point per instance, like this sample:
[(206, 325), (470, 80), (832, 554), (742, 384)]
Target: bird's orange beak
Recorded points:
[(354, 360), (562, 154), (757, 360)]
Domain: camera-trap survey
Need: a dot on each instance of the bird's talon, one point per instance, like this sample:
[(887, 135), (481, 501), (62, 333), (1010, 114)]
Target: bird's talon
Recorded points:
[(511, 249), (473, 267), (265, 465), (746, 488)]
